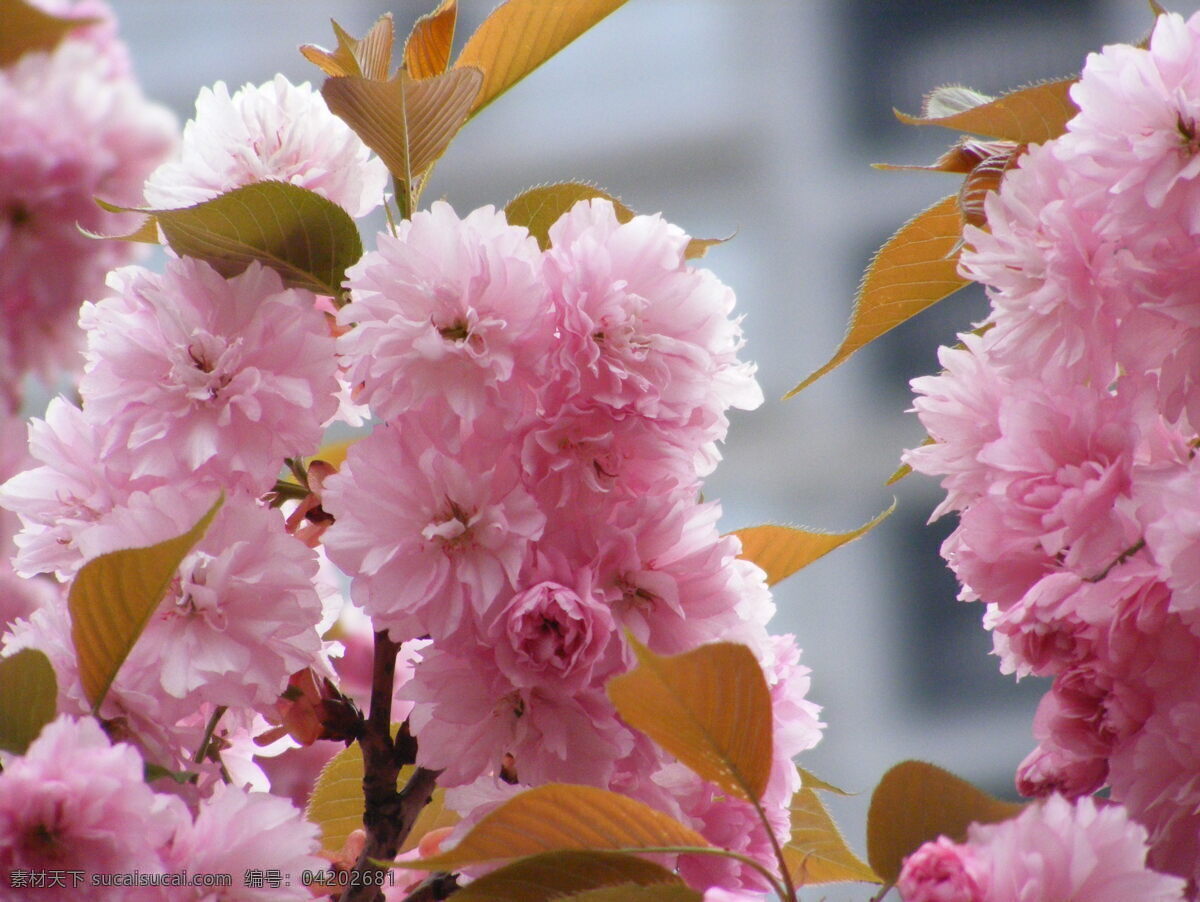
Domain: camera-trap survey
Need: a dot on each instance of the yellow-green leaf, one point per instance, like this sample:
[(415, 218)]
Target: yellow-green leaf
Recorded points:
[(427, 50), (560, 817), (409, 123), (916, 802), (28, 698), (916, 268), (368, 57), (812, 781), (308, 240), (633, 893), (540, 207), (709, 707), (555, 875), (520, 35), (782, 550), (817, 851), (114, 595), (1032, 115), (145, 233), (24, 28), (336, 802)]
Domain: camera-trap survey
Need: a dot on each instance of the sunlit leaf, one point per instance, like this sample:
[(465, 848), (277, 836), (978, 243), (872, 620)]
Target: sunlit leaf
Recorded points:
[(336, 802), (308, 240), (427, 50), (540, 207), (408, 123), (916, 802), (1030, 115), (782, 550), (709, 707), (817, 852), (24, 28), (560, 817), (145, 233), (28, 698), (114, 595), (368, 57), (812, 781), (633, 893), (950, 100), (520, 35), (915, 269), (555, 875)]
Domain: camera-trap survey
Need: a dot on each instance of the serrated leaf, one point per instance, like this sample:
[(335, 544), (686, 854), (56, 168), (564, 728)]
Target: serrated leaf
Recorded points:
[(540, 207), (28, 698), (408, 123), (561, 817), (633, 893), (336, 802), (27, 29), (427, 50), (308, 240), (114, 595), (812, 781), (949, 100), (782, 550), (817, 852), (370, 57), (520, 35), (709, 707), (916, 268), (1031, 115), (145, 233), (558, 875), (916, 802)]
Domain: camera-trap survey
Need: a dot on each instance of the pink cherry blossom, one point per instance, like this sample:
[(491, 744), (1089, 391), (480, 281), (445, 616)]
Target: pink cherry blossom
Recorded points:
[(201, 373), (943, 871), (448, 312), (276, 131), (73, 129), (236, 832), (429, 536), (641, 330), (73, 801)]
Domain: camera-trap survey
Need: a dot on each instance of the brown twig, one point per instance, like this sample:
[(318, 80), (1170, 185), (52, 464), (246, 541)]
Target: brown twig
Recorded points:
[(388, 814), (434, 889)]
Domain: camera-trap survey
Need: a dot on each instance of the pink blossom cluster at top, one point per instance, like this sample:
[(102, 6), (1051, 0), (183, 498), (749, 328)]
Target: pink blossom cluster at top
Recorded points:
[(74, 126), (531, 495), (1053, 851), (1066, 434)]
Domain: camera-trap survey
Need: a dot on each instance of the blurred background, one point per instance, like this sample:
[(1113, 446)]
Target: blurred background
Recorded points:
[(762, 117)]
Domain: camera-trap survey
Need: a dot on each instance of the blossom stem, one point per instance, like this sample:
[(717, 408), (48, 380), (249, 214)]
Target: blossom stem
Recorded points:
[(209, 729), (388, 814)]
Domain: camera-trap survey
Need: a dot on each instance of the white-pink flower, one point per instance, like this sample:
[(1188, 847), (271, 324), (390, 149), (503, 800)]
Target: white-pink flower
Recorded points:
[(448, 313), (198, 373), (276, 131)]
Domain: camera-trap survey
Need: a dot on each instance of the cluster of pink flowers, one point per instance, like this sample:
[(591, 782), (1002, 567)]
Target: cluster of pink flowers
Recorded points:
[(528, 496), (1053, 851), (73, 126), (531, 495), (77, 807), (195, 387), (1065, 431)]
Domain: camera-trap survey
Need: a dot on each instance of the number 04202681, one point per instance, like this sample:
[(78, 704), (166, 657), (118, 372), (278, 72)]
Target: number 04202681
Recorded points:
[(340, 877)]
